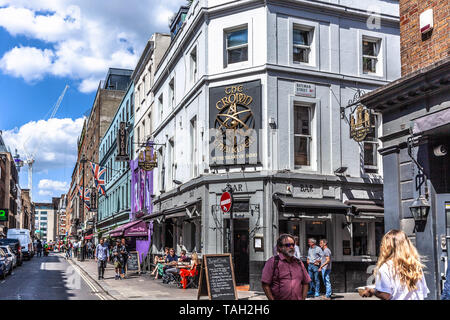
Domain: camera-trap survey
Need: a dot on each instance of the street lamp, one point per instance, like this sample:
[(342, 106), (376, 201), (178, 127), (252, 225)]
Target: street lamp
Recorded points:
[(420, 209)]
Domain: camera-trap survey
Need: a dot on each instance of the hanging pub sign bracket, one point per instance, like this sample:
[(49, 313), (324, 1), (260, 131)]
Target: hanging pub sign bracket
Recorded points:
[(360, 117), (147, 161)]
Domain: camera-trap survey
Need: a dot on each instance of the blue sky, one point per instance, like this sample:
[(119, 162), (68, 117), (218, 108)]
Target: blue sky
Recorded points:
[(47, 44)]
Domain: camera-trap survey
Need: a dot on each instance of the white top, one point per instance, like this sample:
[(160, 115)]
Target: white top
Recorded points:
[(387, 282)]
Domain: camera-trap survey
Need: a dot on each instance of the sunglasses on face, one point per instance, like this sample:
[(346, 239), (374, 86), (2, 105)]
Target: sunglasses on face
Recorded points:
[(289, 245)]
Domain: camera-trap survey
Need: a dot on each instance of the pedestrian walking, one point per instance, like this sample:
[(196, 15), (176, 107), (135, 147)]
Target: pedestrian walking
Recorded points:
[(399, 270), (297, 249), (66, 250), (39, 248), (117, 259), (284, 277), (75, 249), (125, 255), (314, 259), (90, 249), (325, 267), (101, 257)]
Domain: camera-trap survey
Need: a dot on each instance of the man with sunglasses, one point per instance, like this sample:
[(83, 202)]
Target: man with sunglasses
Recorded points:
[(284, 277)]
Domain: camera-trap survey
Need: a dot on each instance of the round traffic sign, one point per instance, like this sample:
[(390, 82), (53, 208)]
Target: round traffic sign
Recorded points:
[(225, 202)]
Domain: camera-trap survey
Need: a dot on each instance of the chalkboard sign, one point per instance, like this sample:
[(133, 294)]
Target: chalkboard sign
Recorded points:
[(133, 262), (217, 278)]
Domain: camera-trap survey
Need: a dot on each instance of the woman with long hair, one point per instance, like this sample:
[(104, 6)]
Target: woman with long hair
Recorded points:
[(399, 271)]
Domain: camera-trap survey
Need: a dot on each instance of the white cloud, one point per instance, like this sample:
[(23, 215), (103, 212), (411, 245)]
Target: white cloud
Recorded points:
[(83, 38), (53, 142), (26, 62), (52, 188)]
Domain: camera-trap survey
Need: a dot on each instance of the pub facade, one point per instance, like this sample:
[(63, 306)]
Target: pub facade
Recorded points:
[(254, 96)]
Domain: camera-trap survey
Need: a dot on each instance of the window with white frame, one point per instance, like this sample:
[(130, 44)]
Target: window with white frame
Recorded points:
[(302, 135), (370, 145), (160, 107), (138, 138), (193, 134), (147, 83), (143, 130), (193, 64), (162, 169), (149, 123), (172, 93), (370, 54), (236, 42), (170, 165), (302, 41)]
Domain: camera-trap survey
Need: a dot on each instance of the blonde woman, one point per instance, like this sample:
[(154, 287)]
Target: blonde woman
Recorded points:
[(399, 271)]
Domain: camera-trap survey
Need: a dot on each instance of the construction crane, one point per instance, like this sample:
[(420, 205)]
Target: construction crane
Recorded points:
[(30, 157)]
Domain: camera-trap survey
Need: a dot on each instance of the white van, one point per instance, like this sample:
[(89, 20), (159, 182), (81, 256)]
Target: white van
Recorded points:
[(23, 235)]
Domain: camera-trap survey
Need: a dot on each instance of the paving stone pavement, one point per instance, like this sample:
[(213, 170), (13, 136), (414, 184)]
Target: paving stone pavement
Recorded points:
[(144, 287)]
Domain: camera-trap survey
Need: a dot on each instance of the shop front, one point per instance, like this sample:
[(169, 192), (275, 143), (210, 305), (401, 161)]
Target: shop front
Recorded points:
[(353, 227)]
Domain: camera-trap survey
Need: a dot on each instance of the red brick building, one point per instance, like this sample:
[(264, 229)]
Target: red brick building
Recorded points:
[(416, 135)]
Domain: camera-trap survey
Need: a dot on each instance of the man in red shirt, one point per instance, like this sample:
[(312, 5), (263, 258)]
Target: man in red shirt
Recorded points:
[(284, 277)]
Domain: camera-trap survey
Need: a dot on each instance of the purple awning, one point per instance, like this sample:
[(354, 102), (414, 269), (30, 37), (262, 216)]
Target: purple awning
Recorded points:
[(136, 228), (432, 121)]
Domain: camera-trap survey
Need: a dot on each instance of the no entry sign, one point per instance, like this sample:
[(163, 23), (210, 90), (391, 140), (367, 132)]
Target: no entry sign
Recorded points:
[(225, 202)]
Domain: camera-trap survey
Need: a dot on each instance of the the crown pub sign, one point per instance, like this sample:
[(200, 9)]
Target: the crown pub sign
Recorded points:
[(360, 125), (147, 160)]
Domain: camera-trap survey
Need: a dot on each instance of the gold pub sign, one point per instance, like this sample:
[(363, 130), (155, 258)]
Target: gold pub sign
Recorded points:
[(147, 161), (360, 125)]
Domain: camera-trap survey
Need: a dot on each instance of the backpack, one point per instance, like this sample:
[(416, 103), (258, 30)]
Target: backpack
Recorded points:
[(299, 262)]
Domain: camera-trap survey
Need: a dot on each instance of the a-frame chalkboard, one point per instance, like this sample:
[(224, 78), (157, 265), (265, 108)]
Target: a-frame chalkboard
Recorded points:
[(217, 278)]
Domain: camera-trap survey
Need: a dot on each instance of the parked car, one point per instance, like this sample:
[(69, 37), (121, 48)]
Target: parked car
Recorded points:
[(16, 248), (10, 255), (23, 235), (4, 259)]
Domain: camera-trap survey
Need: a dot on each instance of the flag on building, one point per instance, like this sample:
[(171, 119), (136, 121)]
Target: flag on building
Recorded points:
[(87, 196), (99, 174)]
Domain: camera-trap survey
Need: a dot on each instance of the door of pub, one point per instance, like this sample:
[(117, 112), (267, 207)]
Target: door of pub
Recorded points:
[(241, 249)]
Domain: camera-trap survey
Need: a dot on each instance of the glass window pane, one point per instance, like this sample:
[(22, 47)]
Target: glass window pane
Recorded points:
[(238, 55), (301, 151), (301, 120), (301, 55), (360, 232), (237, 38), (369, 48), (316, 230), (301, 37), (369, 64), (370, 154)]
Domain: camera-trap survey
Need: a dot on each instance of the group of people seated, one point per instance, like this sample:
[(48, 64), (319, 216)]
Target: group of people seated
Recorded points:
[(170, 265)]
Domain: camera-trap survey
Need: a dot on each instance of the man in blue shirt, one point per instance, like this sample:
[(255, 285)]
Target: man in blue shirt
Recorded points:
[(101, 257), (314, 259)]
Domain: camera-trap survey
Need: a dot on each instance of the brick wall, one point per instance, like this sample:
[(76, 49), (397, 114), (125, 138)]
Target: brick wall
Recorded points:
[(416, 51)]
